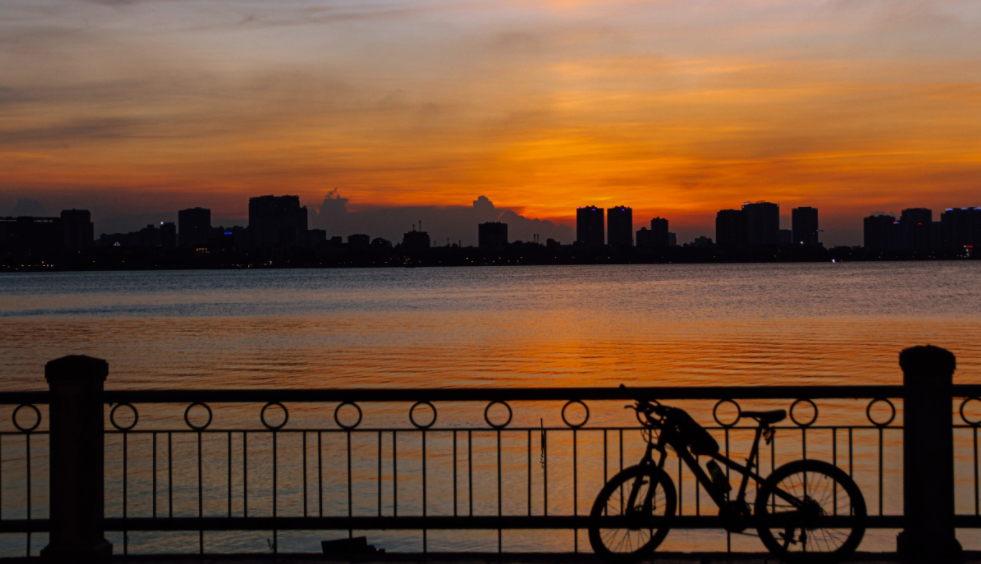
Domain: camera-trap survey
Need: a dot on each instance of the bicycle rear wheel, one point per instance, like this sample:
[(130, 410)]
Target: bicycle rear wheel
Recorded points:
[(639, 529), (810, 512)]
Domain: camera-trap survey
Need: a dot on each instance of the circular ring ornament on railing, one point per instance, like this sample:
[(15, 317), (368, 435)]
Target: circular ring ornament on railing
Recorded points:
[(112, 417), (487, 414), (412, 417), (338, 420), (37, 413), (868, 412), (187, 413), (964, 417), (566, 421), (715, 413), (262, 416), (801, 423)]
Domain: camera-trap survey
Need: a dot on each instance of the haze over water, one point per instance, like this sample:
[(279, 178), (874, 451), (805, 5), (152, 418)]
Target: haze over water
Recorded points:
[(523, 326)]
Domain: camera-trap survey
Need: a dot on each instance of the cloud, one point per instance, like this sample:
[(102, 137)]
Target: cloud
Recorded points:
[(454, 223)]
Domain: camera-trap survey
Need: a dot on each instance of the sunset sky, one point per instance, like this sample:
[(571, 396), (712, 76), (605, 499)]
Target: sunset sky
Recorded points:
[(132, 108)]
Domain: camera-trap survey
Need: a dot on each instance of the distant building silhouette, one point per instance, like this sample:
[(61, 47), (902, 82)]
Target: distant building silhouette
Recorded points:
[(960, 227), (277, 222), (620, 226), (785, 237), (804, 224), (881, 233), (79, 230), (657, 236), (762, 223), (415, 240), (589, 226), (730, 229), (672, 239), (916, 227), (168, 235), (702, 242), (194, 225), (31, 235), (358, 241), (492, 235)]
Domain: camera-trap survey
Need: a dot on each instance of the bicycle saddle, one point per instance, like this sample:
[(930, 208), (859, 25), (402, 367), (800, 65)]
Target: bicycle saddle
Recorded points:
[(774, 416)]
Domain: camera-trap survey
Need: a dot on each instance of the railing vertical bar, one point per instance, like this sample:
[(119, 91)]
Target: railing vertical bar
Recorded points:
[(728, 534), (529, 472), (500, 493), (470, 469), (154, 436), (698, 493), (606, 460), (834, 462), (170, 475), (320, 474), (245, 474), (621, 469), (229, 474), (575, 486), (545, 472), (379, 473), (803, 442), (424, 484), (350, 493), (1, 477), (395, 478), (304, 473), (454, 475), (275, 485), (27, 455), (200, 496), (976, 471), (125, 490), (880, 470), (850, 453), (681, 491)]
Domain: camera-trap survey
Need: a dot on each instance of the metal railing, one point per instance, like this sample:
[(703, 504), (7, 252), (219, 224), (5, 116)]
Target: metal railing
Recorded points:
[(215, 461)]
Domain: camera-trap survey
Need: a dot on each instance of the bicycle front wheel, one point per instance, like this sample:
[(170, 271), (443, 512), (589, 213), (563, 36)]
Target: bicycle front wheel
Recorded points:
[(810, 512), (637, 505)]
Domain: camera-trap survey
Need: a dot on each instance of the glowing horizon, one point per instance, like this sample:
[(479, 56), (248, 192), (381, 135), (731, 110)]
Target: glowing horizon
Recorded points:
[(677, 109)]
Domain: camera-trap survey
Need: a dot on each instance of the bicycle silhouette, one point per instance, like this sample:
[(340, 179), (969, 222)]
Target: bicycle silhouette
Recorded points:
[(806, 511)]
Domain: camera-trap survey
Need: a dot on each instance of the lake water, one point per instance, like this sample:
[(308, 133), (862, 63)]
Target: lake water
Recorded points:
[(684, 325), (534, 326)]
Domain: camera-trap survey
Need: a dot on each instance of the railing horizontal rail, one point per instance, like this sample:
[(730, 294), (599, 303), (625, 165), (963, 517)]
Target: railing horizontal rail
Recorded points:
[(492, 394)]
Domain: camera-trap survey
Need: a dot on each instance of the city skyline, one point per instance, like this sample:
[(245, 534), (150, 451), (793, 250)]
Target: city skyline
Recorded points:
[(679, 109)]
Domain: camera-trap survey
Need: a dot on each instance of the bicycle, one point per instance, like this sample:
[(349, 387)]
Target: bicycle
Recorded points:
[(805, 511)]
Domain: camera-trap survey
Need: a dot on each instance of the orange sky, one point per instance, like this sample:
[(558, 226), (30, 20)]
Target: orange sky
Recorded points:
[(676, 108)]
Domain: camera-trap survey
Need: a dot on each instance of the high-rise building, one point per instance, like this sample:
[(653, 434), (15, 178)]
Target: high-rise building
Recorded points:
[(762, 224), (79, 230), (804, 224), (881, 233), (785, 237), (730, 229), (960, 227), (195, 227), (620, 226), (168, 235), (415, 240), (916, 226), (657, 236), (492, 235), (277, 222), (589, 226)]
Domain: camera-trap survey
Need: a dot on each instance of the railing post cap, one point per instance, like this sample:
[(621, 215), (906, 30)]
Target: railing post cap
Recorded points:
[(927, 359), (75, 367)]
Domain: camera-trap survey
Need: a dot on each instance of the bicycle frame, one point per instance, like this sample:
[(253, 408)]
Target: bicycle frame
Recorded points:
[(680, 447)]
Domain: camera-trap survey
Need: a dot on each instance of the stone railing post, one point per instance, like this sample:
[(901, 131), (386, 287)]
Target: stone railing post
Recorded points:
[(928, 454), (76, 459)]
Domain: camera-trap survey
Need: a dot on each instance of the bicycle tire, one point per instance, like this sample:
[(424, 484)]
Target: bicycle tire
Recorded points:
[(830, 488), (638, 544)]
